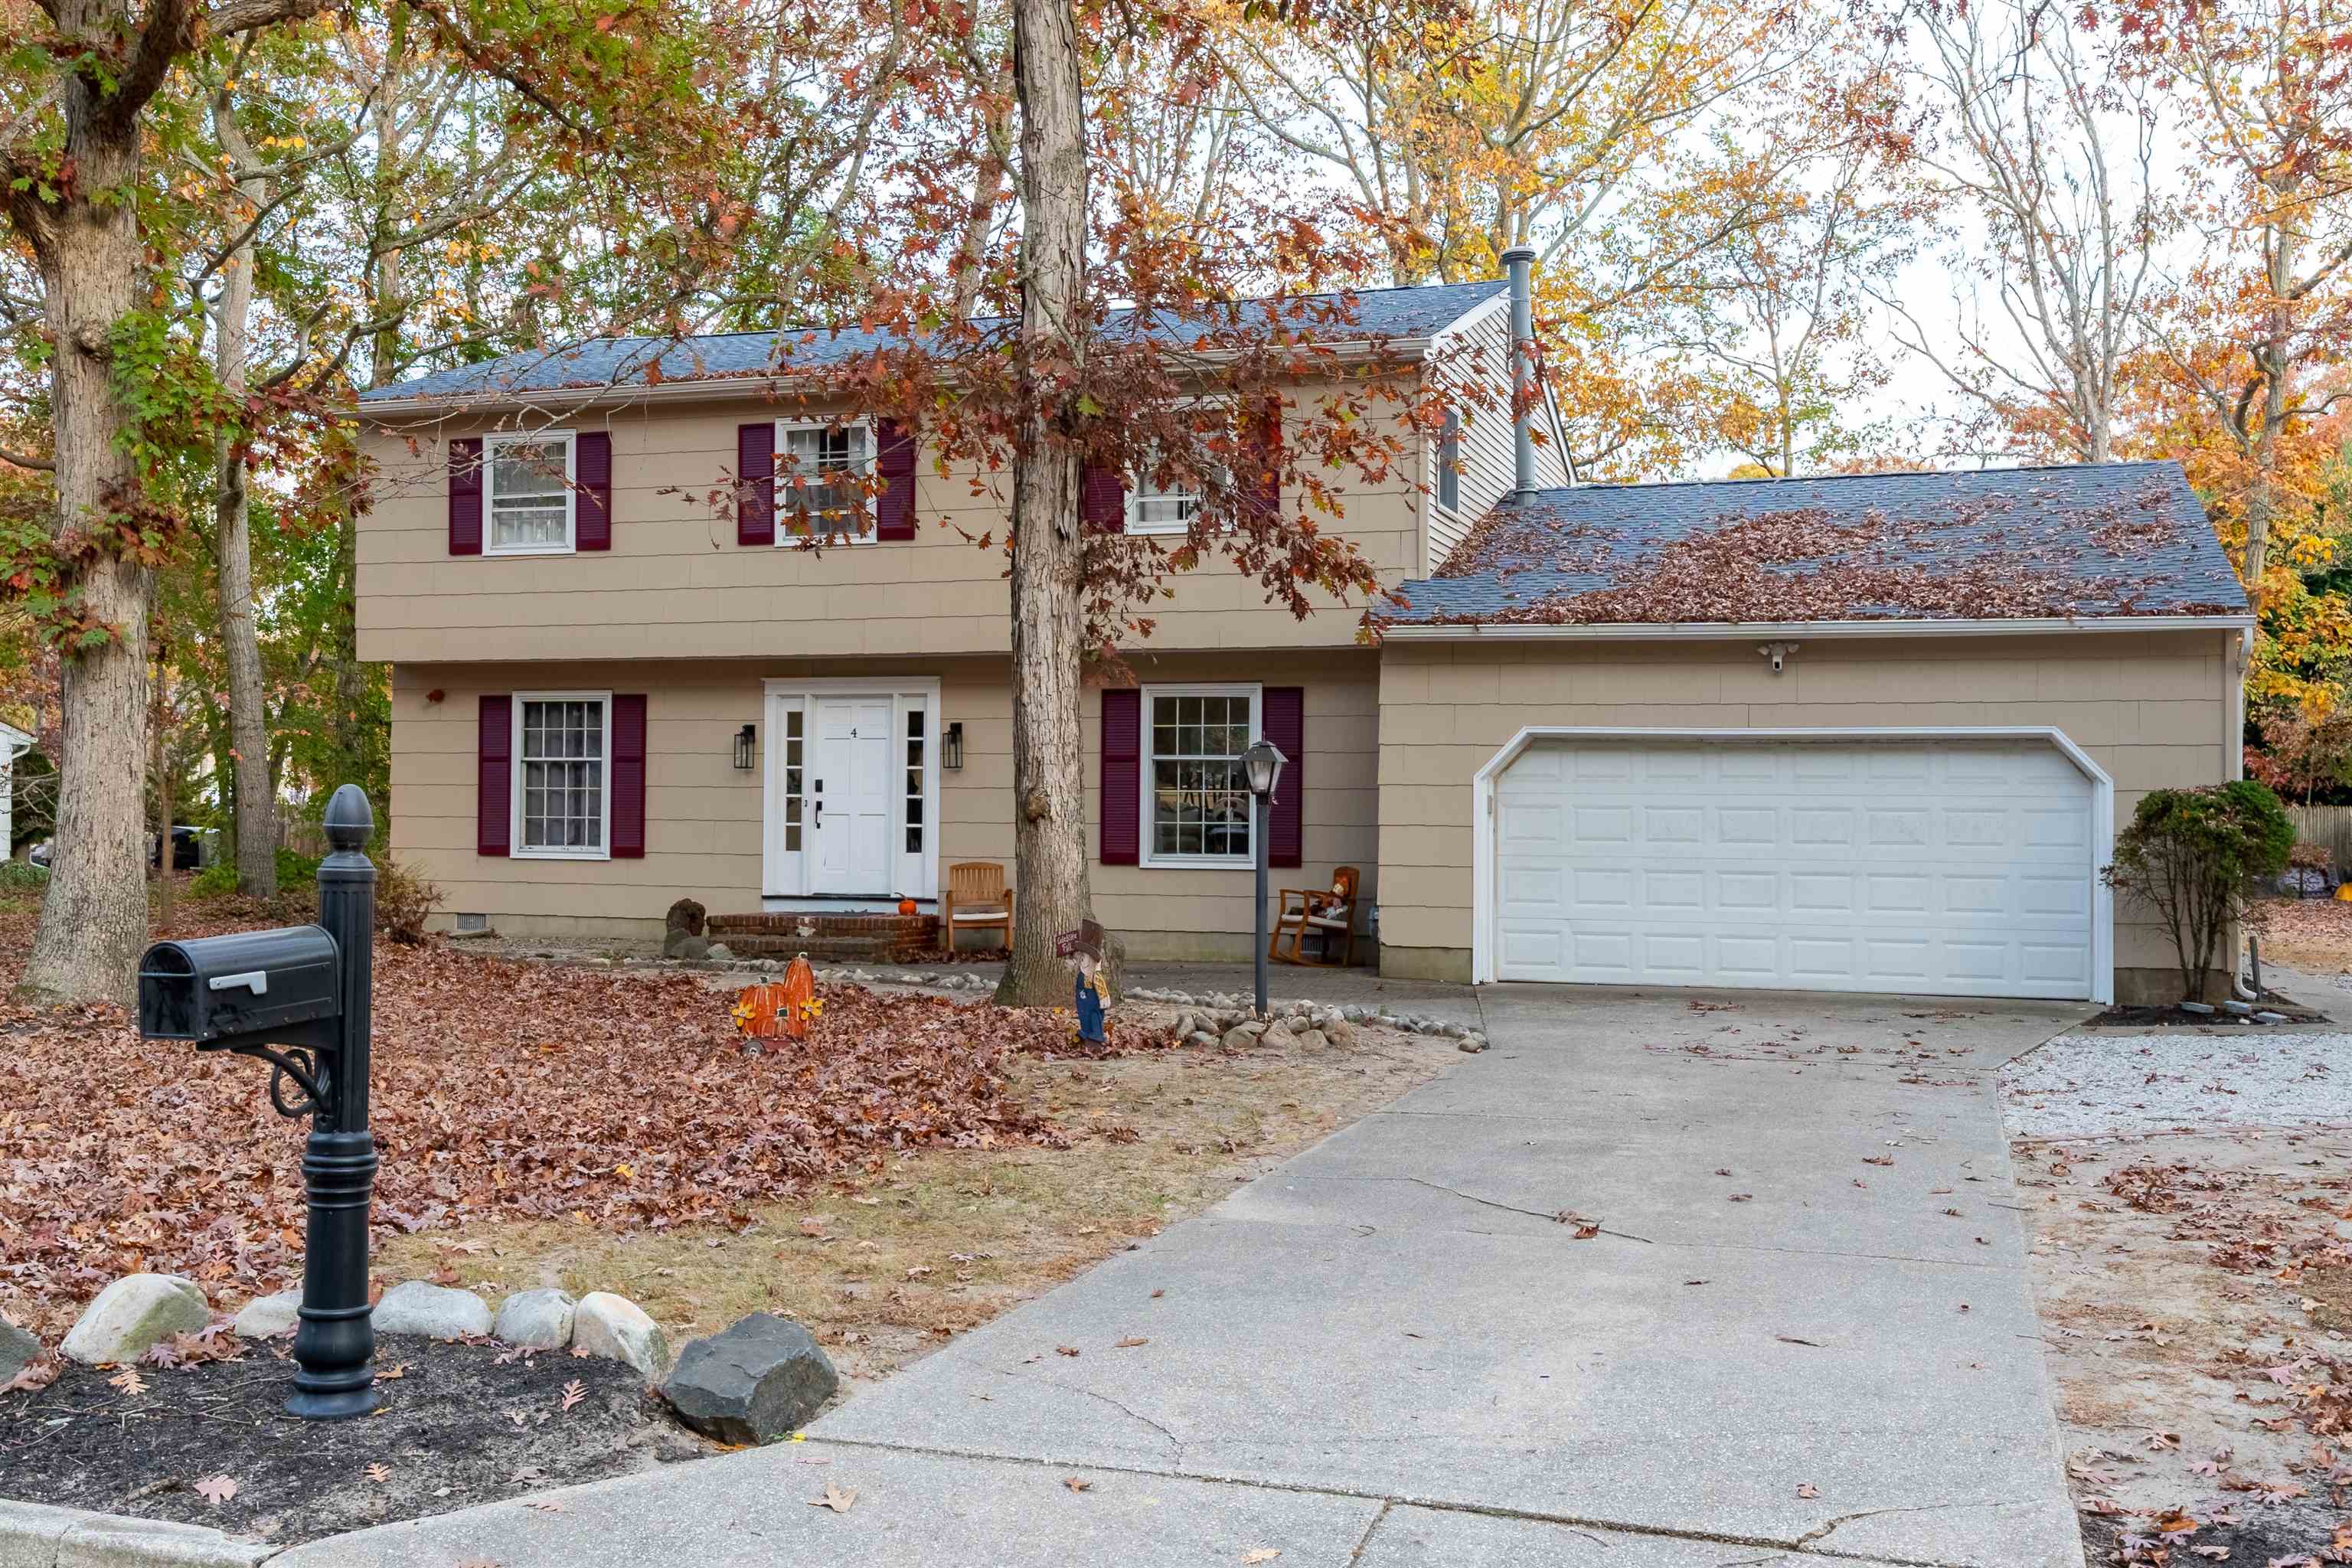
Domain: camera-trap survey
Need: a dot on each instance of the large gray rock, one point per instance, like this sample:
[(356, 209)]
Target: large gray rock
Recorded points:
[(683, 927), (18, 1350), (1341, 1032), (270, 1316), (539, 1319), (617, 1328), (418, 1307), (133, 1314), (1278, 1036), (758, 1380)]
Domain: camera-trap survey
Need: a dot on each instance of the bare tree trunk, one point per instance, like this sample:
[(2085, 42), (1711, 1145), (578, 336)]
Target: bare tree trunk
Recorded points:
[(94, 917), (161, 755), (987, 189), (1049, 542), (256, 804)]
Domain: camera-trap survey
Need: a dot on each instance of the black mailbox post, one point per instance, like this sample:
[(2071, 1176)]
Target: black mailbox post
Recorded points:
[(300, 998)]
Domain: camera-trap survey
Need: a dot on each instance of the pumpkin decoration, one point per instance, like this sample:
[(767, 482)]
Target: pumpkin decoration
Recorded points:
[(905, 906), (782, 1008)]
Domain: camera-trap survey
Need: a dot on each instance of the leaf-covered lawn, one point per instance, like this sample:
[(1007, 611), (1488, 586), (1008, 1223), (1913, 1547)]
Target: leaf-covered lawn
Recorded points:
[(502, 1090)]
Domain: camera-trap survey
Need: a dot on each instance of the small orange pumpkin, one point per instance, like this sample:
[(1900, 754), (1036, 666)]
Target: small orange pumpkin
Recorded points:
[(906, 905)]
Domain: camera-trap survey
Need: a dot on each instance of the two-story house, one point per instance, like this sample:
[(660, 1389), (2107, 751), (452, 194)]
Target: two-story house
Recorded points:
[(1866, 733)]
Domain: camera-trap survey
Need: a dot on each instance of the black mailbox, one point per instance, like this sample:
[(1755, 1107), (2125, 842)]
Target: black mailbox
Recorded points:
[(279, 987)]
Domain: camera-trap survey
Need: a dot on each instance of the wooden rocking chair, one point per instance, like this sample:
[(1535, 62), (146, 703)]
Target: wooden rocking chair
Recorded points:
[(977, 899), (1329, 915)]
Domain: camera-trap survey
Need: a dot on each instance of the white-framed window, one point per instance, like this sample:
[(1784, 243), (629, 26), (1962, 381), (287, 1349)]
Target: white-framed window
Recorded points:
[(528, 504), (1197, 809), (1154, 509), (828, 459), (563, 769)]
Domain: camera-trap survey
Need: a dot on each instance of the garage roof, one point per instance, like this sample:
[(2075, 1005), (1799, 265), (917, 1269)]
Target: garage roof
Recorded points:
[(2034, 544), (1395, 314)]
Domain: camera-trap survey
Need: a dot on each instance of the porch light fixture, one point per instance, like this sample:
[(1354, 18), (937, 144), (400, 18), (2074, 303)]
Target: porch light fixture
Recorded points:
[(1263, 761), (743, 739), (1261, 765), (951, 747)]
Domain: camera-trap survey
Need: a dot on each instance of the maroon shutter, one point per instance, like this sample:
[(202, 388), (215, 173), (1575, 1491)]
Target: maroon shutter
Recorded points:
[(465, 496), (591, 474), (1265, 453), (494, 769), (1122, 775), (1282, 719), (1102, 502), (628, 777), (894, 460), (755, 483)]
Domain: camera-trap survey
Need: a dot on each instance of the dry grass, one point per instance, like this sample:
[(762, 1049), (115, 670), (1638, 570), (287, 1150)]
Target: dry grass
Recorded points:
[(884, 1269)]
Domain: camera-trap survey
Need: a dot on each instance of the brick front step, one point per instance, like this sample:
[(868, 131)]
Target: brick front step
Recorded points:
[(882, 938)]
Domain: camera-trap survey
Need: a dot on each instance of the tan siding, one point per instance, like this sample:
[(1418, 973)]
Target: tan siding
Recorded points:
[(2149, 708), (703, 829), (675, 583), (1480, 363)]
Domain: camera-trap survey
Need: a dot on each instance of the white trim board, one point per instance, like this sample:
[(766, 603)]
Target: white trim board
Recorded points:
[(1686, 631), (2102, 814)]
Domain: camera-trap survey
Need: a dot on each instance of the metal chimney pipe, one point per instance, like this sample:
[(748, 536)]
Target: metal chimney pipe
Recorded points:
[(1521, 259)]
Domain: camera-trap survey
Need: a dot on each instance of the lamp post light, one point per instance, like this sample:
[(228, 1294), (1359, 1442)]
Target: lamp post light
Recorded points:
[(1261, 765)]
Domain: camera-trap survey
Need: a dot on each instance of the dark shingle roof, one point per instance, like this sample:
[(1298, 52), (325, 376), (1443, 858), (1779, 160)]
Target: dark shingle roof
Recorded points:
[(2109, 539), (1383, 313)]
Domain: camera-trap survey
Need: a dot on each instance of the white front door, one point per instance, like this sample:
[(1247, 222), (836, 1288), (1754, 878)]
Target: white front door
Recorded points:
[(850, 795)]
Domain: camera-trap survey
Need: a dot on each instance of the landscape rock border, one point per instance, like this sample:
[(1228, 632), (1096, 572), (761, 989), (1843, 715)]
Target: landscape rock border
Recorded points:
[(1296, 1016)]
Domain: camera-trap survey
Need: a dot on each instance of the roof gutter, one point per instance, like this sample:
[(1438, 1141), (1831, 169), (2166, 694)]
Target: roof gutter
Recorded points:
[(1686, 631), (728, 388)]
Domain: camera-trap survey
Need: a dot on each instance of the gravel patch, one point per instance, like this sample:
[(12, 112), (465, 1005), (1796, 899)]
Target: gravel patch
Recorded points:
[(2081, 1086)]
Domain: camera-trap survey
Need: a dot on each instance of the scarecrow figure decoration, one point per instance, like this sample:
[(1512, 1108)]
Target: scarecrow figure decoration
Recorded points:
[(1093, 996)]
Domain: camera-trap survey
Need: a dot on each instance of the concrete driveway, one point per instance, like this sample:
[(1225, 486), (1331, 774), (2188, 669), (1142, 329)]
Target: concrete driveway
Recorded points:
[(1803, 1328)]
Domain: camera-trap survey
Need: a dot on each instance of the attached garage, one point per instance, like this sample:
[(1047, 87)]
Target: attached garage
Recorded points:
[(1960, 865), (1867, 732)]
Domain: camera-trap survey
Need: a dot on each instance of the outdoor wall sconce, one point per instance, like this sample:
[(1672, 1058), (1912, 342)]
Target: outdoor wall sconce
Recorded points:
[(951, 747), (743, 739)]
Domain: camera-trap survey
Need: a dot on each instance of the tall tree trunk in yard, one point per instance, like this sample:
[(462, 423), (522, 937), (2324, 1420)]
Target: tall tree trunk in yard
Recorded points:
[(1049, 542), (257, 803), (86, 245), (164, 805)]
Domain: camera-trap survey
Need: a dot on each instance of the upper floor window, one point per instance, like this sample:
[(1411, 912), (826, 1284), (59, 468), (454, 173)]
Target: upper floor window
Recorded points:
[(563, 758), (528, 494), (1197, 805), (1154, 509), (1449, 463), (818, 465)]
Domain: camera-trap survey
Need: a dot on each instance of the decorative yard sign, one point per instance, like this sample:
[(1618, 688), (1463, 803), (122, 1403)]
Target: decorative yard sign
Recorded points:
[(782, 1009), (301, 999)]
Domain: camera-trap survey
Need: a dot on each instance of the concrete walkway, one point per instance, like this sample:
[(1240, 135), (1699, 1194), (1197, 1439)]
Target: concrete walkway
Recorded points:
[(1802, 1330)]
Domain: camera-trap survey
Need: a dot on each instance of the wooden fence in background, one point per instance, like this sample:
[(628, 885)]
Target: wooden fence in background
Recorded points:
[(2328, 825)]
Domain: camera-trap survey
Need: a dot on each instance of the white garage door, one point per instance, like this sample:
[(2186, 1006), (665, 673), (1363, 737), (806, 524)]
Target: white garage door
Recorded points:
[(1940, 868)]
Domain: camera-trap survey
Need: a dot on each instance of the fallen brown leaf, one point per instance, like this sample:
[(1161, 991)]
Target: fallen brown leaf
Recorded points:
[(835, 1499), (215, 1490)]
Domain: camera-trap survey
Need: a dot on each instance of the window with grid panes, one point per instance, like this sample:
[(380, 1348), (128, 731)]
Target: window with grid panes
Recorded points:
[(562, 763), (1200, 804)]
